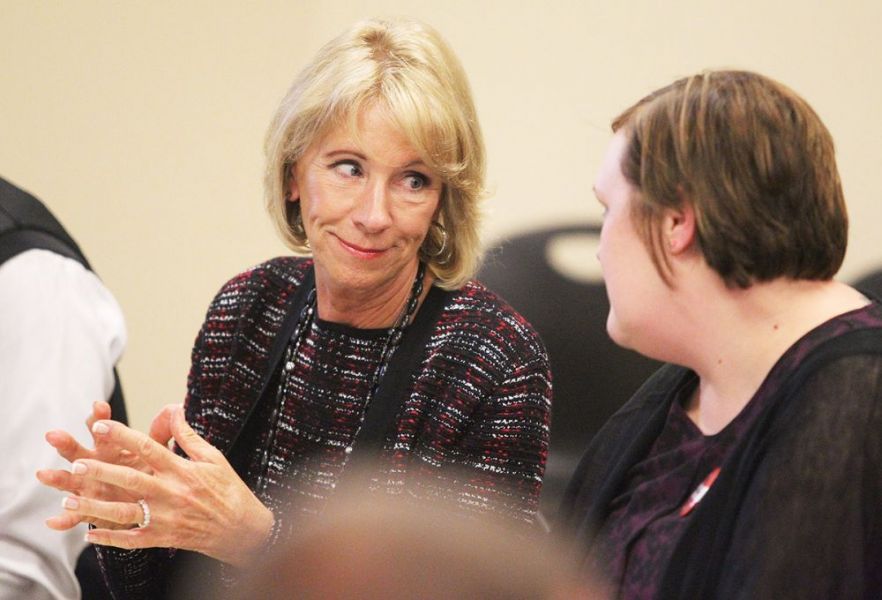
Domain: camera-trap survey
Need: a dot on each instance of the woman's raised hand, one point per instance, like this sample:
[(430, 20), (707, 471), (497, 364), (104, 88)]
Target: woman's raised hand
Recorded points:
[(199, 504), (71, 450)]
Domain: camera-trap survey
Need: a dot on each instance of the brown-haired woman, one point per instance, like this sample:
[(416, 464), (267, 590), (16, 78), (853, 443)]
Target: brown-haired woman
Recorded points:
[(752, 465)]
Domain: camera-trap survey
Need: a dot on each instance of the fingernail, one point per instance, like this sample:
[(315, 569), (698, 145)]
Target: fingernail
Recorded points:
[(78, 468), (89, 538), (70, 503), (100, 427)]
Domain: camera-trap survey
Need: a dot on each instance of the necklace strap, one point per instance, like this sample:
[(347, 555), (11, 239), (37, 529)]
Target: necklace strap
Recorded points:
[(293, 308), (393, 391)]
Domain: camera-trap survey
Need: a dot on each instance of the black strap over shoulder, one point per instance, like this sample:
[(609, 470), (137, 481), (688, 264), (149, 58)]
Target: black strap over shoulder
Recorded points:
[(248, 431), (393, 391), (16, 241), (26, 224)]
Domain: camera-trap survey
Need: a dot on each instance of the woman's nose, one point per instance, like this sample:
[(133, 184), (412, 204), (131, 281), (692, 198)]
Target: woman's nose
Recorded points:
[(372, 211)]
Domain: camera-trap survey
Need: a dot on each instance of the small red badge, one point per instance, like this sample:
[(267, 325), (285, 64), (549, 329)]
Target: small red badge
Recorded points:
[(699, 492)]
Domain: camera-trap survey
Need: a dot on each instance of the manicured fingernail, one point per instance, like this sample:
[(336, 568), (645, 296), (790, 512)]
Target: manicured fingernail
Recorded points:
[(78, 468), (100, 427), (70, 503), (89, 538)]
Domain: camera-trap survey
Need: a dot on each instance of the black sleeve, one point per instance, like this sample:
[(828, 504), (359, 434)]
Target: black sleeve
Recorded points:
[(810, 522)]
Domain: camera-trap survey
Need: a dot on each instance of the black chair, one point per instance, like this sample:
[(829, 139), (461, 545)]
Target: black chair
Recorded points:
[(871, 284)]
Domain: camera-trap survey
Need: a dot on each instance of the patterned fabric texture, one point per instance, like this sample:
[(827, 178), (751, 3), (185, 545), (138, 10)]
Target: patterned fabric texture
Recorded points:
[(473, 430)]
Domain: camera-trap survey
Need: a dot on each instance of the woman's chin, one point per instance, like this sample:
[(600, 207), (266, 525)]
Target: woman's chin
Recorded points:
[(355, 276), (620, 335)]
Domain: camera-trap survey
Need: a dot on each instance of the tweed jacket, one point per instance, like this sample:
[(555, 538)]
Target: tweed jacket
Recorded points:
[(473, 429)]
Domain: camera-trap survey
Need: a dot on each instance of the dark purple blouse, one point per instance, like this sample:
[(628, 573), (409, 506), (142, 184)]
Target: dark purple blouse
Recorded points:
[(647, 518)]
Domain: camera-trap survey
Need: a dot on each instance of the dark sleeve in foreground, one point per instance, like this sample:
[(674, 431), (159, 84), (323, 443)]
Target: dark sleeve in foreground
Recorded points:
[(622, 441), (810, 522)]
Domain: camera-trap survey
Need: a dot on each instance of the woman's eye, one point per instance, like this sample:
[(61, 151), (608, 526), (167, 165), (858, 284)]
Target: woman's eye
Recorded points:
[(347, 168), (416, 181)]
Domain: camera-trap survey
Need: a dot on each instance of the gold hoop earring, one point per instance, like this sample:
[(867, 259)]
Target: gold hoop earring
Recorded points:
[(297, 227), (442, 248)]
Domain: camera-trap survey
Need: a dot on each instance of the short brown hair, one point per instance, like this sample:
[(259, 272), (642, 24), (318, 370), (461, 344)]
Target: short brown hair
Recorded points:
[(757, 165), (409, 70)]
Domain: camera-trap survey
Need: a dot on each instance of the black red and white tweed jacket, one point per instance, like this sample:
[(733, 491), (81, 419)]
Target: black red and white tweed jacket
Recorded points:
[(474, 429)]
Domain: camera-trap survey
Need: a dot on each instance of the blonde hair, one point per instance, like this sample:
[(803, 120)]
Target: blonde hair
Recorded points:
[(406, 68)]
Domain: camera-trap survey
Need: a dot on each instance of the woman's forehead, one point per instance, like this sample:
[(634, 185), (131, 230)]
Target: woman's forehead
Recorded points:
[(424, 136), (372, 134)]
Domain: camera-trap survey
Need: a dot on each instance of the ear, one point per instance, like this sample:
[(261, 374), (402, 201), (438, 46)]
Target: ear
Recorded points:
[(679, 228), (292, 194)]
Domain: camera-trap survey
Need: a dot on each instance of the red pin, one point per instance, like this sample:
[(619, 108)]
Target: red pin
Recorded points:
[(699, 492)]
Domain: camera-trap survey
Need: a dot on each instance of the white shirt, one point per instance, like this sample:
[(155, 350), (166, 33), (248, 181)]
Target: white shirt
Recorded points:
[(61, 332)]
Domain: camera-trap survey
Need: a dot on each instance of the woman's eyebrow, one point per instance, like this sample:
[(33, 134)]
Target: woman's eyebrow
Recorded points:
[(332, 153), (339, 151), (414, 163)]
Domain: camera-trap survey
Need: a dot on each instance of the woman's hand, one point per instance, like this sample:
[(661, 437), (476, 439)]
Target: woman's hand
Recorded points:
[(199, 504), (71, 450)]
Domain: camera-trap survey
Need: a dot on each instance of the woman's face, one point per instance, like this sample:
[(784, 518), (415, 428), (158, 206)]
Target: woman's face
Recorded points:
[(366, 204), (633, 285)]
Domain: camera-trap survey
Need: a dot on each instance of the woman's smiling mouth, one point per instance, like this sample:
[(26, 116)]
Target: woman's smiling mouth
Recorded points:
[(361, 251)]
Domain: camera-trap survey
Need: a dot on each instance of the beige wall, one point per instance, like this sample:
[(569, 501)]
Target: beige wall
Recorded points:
[(140, 123)]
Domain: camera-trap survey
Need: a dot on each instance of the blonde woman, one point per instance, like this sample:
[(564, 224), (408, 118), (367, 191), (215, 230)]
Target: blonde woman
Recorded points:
[(375, 168)]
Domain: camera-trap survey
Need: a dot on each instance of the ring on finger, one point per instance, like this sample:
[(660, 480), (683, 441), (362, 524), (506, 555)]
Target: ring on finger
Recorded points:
[(145, 508)]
